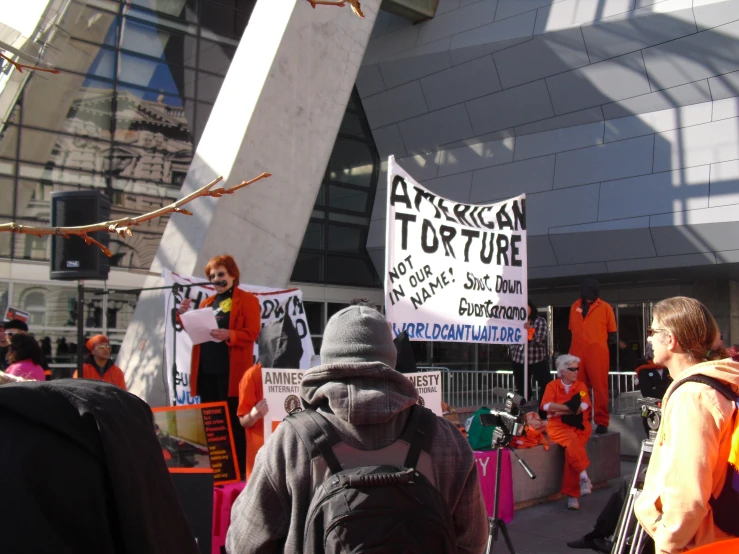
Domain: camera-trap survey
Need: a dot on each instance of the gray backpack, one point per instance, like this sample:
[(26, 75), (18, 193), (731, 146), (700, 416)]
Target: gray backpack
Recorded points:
[(377, 504)]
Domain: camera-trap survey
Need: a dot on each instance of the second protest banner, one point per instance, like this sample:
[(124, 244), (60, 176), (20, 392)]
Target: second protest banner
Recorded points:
[(281, 389), (454, 272)]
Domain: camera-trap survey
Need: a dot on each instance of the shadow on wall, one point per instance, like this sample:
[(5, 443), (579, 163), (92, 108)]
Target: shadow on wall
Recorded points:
[(623, 132)]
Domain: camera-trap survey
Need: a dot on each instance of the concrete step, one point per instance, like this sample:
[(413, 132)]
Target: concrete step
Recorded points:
[(604, 452)]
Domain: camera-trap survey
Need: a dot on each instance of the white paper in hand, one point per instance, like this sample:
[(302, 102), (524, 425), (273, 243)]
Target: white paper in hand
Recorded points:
[(199, 323)]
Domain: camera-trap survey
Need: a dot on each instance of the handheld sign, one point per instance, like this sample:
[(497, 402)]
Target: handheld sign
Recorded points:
[(454, 272)]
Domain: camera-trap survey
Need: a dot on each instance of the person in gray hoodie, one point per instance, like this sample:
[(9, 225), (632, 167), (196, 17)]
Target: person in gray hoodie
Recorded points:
[(368, 403)]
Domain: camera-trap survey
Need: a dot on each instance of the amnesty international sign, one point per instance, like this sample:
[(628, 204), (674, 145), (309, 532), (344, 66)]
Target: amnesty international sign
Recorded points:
[(454, 272), (281, 389)]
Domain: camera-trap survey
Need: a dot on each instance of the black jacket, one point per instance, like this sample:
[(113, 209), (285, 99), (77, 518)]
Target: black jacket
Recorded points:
[(81, 472)]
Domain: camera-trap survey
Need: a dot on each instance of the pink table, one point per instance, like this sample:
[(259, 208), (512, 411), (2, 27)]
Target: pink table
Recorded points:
[(224, 497), (486, 472)]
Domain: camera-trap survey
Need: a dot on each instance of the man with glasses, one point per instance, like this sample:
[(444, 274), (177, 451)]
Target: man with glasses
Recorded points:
[(98, 364)]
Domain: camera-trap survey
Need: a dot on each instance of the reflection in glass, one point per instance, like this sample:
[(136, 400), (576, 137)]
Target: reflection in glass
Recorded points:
[(351, 162), (352, 271), (313, 238), (5, 239), (348, 199), (8, 141), (6, 193), (308, 267), (216, 57), (90, 23), (33, 200), (30, 247), (345, 239), (86, 58), (314, 316), (150, 74), (153, 140), (89, 110), (183, 9), (169, 46), (223, 20), (351, 125)]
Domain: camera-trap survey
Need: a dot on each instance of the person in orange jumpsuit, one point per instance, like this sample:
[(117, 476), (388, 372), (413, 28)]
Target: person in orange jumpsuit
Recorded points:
[(98, 364), (567, 404), (593, 324), (280, 347)]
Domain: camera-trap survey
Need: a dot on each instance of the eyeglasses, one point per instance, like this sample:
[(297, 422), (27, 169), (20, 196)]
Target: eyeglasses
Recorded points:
[(651, 332), (103, 345), (572, 368), (219, 275)]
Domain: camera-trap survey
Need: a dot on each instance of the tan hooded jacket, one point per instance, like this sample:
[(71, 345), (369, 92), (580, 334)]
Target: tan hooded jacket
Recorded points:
[(689, 461)]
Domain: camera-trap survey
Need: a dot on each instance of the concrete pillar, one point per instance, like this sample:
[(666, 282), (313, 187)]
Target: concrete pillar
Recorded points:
[(279, 110)]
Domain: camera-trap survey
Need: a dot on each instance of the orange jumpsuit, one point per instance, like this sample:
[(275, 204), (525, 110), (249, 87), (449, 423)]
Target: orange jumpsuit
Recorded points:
[(590, 344), (250, 392), (573, 440)]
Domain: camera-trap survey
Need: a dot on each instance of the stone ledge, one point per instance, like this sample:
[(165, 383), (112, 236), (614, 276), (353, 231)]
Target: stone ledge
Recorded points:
[(604, 452)]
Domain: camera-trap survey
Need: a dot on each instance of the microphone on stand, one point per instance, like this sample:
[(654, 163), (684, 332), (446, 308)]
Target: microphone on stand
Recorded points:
[(219, 283)]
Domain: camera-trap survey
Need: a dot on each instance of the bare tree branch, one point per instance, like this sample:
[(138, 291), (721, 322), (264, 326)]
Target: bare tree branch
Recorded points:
[(340, 3), (20, 67), (122, 227)]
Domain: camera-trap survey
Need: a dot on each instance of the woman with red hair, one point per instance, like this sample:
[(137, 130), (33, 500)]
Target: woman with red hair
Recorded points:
[(217, 366)]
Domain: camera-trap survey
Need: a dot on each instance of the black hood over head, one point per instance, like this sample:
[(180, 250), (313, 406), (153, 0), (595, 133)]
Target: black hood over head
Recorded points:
[(83, 472), (406, 362), (279, 345), (590, 289)]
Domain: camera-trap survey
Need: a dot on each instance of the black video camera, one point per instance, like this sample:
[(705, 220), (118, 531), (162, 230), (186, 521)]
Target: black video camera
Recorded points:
[(509, 422), (651, 410)]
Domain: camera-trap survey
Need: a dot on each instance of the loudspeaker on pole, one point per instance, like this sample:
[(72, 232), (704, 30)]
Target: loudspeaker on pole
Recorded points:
[(72, 259)]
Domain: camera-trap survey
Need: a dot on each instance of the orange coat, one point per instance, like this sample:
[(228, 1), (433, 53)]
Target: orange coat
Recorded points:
[(593, 329), (114, 375), (251, 392), (243, 330), (689, 462)]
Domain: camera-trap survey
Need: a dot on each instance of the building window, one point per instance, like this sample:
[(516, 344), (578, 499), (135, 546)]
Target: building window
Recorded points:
[(334, 245), (35, 304)]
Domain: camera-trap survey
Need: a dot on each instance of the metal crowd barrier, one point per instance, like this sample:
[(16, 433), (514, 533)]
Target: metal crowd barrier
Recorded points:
[(463, 388)]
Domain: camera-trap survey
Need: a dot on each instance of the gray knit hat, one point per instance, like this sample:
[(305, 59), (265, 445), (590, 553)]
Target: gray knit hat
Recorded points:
[(358, 334)]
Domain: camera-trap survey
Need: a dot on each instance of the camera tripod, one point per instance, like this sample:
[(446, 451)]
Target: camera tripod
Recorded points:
[(494, 522), (630, 537)]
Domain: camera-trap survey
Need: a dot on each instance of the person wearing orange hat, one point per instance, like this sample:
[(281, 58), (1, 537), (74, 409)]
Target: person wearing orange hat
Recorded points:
[(98, 364)]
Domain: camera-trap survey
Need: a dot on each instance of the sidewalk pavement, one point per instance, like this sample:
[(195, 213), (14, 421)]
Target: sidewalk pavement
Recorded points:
[(546, 528)]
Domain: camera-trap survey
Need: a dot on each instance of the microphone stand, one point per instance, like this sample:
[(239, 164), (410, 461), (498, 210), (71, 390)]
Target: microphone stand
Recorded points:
[(177, 290)]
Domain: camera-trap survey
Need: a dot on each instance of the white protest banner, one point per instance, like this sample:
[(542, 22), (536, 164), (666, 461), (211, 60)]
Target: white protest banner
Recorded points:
[(274, 304), (428, 384), (454, 272), (281, 389)]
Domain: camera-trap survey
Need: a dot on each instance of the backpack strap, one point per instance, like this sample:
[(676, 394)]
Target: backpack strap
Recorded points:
[(712, 382), (317, 435), (419, 431)]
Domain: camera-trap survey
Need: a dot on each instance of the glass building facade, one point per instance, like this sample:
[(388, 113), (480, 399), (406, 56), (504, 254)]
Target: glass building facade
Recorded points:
[(137, 84)]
